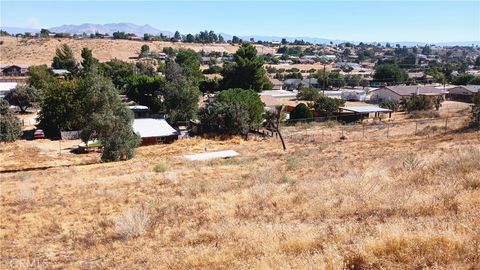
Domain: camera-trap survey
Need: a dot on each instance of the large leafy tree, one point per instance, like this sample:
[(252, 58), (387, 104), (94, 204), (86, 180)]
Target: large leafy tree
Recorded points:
[(146, 91), (10, 127), (309, 94), (23, 96), (40, 77), (102, 113), (247, 72), (64, 59), (389, 73), (181, 100), (59, 107), (189, 60), (327, 105), (234, 111), (119, 71)]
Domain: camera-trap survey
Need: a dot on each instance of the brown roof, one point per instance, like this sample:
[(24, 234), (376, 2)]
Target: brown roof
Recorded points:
[(410, 90)]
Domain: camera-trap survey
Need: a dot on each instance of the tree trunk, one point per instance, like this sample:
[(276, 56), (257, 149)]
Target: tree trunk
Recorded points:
[(280, 135)]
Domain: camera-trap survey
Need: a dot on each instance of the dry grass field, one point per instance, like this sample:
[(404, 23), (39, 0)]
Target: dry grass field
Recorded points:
[(41, 51), (409, 202)]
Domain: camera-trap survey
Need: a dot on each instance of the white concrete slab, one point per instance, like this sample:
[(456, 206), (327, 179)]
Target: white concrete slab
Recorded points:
[(212, 155)]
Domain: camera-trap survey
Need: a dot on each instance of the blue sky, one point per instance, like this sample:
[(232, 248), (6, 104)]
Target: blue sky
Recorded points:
[(428, 21)]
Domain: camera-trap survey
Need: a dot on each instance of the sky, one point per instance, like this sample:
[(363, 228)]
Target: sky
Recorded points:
[(368, 21)]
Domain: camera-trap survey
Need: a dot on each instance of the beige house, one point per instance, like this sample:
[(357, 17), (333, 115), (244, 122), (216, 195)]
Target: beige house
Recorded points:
[(463, 92), (396, 93)]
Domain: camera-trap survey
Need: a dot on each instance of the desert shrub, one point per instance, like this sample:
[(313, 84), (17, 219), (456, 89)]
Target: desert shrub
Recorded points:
[(301, 111), (411, 162), (160, 167), (292, 162), (310, 94), (132, 223), (391, 105), (26, 195), (424, 114), (417, 103)]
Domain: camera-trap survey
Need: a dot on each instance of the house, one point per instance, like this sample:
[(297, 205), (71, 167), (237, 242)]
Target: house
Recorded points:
[(463, 92), (396, 93), (140, 111), (14, 70), (153, 131), (294, 84), (277, 84)]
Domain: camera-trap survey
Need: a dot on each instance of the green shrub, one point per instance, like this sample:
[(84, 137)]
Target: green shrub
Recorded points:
[(301, 111), (160, 167)]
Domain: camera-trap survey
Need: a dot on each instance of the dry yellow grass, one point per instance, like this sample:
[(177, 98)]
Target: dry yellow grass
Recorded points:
[(405, 203), (42, 51)]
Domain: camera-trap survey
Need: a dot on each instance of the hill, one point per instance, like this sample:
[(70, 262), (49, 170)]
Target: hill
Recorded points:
[(41, 51)]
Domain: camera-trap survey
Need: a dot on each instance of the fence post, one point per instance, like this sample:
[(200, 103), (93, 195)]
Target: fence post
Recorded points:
[(446, 125), (416, 127), (388, 128), (363, 130)]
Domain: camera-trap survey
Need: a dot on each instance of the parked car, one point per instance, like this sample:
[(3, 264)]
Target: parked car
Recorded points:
[(38, 134)]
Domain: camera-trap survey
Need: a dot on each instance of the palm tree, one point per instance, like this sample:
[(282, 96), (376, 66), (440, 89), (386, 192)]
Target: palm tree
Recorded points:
[(272, 120)]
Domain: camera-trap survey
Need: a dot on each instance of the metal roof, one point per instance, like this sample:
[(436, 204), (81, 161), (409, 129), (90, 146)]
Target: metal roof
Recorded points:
[(150, 127), (365, 109)]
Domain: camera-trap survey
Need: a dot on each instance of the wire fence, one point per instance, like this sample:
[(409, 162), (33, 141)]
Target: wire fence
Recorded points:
[(330, 130)]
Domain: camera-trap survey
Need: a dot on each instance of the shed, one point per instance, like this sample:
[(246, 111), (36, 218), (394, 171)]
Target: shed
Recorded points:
[(153, 131), (463, 92), (363, 111)]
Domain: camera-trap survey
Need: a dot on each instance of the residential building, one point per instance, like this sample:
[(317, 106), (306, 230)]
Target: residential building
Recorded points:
[(397, 93), (463, 92)]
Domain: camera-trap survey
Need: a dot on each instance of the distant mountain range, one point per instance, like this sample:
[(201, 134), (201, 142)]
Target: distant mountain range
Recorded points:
[(139, 30)]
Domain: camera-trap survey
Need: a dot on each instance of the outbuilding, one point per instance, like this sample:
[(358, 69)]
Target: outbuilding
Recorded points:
[(153, 131), (463, 92)]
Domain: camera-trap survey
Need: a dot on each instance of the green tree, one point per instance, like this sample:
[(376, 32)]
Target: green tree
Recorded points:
[(88, 62), (336, 79), (44, 33), (102, 113), (390, 73), (146, 91), (327, 105), (310, 94), (181, 100), (23, 96), (189, 60), (64, 59), (177, 36), (59, 108), (353, 80), (247, 72), (10, 127), (189, 38), (144, 50), (234, 111), (40, 77), (118, 71), (301, 111)]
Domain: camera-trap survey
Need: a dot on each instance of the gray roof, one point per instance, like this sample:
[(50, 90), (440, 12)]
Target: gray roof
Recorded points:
[(472, 88), (410, 90)]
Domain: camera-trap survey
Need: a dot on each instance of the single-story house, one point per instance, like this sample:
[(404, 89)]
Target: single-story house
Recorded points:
[(463, 92), (277, 84), (140, 111), (293, 84), (397, 93), (153, 131), (14, 70)]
